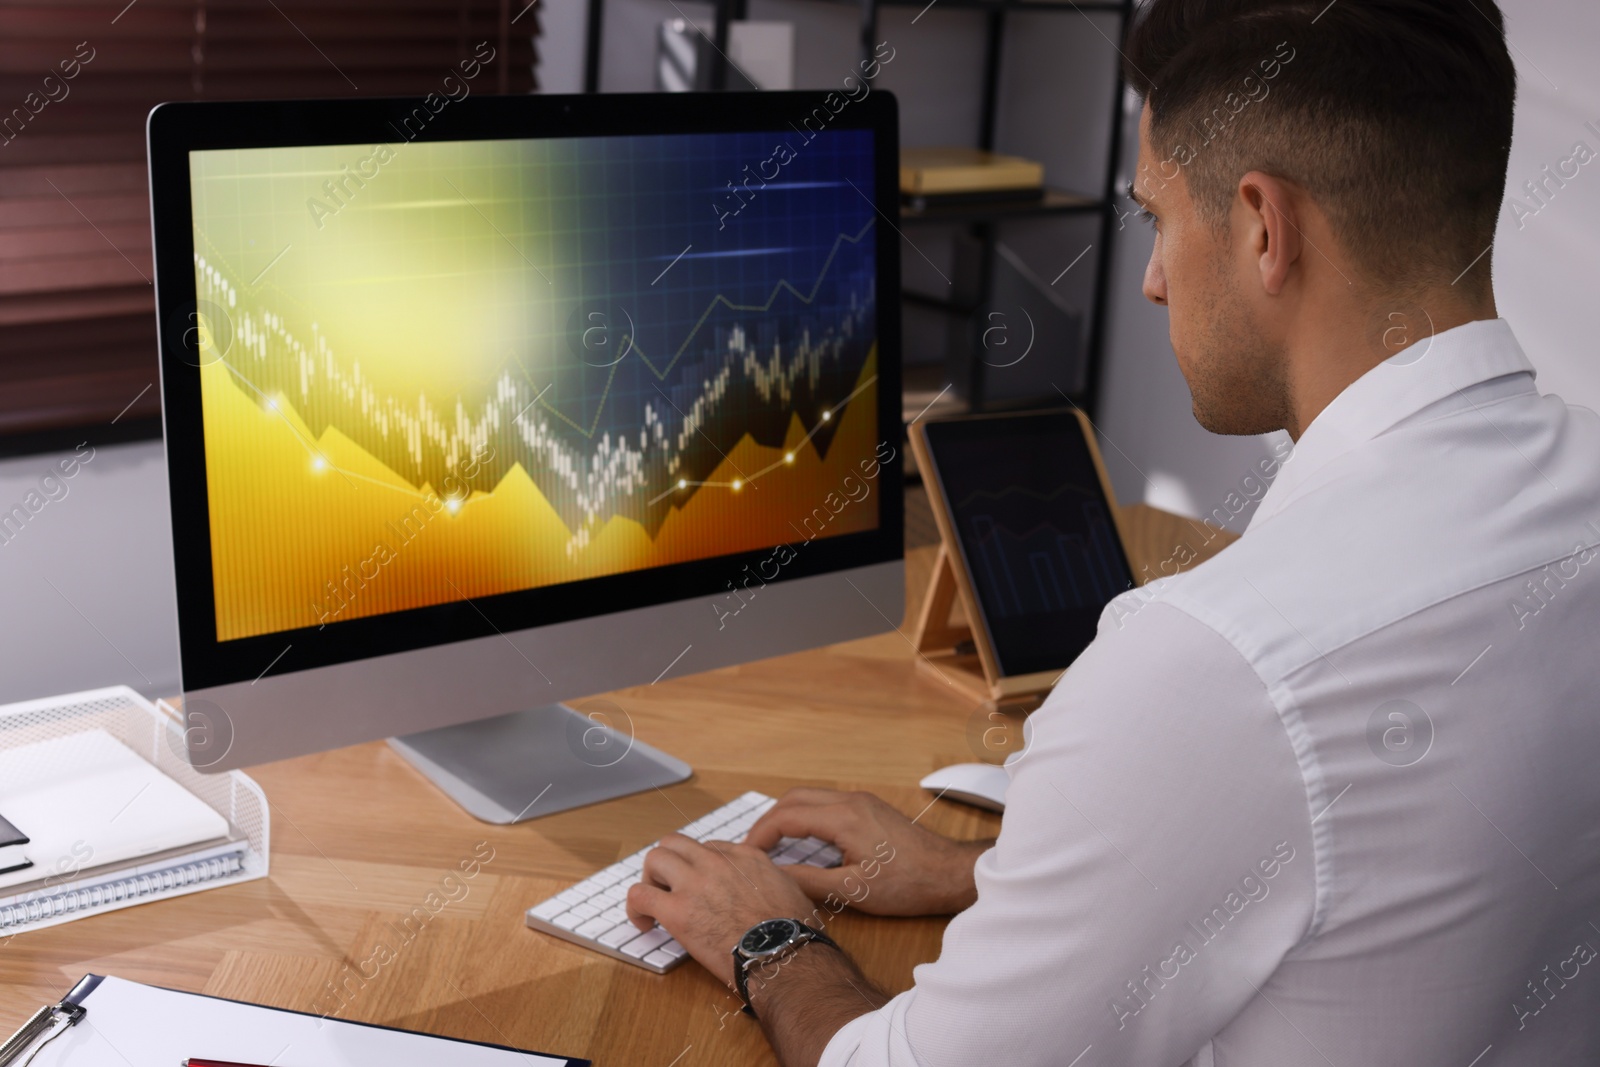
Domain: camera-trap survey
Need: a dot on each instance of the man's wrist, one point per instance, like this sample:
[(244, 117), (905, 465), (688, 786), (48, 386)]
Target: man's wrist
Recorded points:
[(963, 881), (763, 976), (803, 998)]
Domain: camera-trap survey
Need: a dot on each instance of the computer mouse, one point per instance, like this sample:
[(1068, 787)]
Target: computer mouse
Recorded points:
[(982, 785)]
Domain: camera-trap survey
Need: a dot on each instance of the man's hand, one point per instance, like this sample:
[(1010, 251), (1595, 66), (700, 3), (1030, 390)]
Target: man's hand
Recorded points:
[(708, 895), (891, 865)]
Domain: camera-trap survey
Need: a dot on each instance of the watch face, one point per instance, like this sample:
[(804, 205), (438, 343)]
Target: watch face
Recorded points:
[(769, 936)]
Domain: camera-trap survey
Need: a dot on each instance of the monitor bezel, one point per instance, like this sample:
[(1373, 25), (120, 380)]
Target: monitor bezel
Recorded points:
[(176, 129)]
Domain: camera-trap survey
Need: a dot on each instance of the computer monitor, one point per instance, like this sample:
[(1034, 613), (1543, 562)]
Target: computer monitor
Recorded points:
[(478, 404)]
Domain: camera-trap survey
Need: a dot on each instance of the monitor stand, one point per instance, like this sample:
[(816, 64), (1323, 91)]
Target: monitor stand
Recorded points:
[(536, 762)]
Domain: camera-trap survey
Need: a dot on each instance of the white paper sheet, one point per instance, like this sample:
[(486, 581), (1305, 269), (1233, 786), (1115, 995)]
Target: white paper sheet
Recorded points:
[(133, 1025)]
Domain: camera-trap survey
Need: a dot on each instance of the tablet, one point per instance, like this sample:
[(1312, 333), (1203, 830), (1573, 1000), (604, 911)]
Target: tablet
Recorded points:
[(1025, 510)]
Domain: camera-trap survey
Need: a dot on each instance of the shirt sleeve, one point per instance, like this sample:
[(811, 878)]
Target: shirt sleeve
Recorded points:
[(1153, 867)]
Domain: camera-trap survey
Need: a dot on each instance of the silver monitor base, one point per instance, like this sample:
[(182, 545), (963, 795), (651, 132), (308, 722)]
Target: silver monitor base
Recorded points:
[(536, 762)]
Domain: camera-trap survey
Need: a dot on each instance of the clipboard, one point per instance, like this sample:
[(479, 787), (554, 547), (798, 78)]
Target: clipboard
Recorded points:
[(152, 1025)]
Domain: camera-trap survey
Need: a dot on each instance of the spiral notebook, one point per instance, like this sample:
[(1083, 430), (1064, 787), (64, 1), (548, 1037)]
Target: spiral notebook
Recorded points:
[(114, 1021)]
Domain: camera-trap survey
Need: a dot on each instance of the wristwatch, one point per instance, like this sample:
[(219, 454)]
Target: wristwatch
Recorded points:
[(768, 941)]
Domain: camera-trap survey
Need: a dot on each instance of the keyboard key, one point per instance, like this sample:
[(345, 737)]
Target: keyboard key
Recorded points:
[(571, 897), (619, 936), (567, 921), (646, 943), (595, 927), (826, 856), (616, 914), (795, 852), (660, 958), (673, 949), (586, 910), (550, 909)]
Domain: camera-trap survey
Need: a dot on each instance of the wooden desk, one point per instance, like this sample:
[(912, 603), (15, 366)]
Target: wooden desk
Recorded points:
[(360, 840)]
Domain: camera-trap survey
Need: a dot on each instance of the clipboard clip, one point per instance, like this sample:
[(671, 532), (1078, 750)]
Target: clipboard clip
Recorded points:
[(48, 1023)]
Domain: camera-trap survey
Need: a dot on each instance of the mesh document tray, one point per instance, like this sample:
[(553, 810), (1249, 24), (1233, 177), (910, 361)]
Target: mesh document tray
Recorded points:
[(154, 735)]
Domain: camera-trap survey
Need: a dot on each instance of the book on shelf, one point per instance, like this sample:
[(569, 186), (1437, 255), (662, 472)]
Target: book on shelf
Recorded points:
[(960, 174)]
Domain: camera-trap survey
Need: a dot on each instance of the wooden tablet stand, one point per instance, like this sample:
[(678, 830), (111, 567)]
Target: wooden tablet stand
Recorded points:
[(946, 647)]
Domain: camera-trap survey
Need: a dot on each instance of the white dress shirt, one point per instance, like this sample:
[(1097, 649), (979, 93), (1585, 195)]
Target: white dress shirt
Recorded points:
[(1331, 797)]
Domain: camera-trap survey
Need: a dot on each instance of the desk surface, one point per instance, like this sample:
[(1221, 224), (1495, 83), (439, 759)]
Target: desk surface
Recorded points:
[(360, 841)]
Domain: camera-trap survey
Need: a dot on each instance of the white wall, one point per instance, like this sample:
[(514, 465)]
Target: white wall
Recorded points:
[(563, 26), (1546, 268), (1544, 272), (86, 584)]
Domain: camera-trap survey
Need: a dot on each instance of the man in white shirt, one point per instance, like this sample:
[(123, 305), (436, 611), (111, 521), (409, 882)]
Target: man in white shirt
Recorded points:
[(1332, 797)]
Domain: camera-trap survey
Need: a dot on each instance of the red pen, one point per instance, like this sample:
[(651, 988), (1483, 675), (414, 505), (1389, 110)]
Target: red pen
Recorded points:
[(215, 1063)]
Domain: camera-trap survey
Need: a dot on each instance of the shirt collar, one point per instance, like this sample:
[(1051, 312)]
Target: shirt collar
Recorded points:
[(1427, 372)]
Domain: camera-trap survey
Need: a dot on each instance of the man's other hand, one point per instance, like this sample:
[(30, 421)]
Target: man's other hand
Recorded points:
[(891, 866)]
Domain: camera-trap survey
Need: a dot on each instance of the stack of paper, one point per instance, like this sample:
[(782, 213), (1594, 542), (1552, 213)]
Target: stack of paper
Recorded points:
[(87, 804)]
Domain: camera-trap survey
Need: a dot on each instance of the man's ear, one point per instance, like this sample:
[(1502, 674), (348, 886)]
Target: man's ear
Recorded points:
[(1266, 214)]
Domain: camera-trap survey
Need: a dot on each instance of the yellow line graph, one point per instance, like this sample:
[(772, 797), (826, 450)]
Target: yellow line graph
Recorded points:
[(827, 416)]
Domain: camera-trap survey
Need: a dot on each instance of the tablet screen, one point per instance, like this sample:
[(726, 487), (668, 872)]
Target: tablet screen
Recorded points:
[(1035, 530)]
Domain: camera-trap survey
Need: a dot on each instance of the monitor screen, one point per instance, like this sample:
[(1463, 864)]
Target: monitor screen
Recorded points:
[(440, 371)]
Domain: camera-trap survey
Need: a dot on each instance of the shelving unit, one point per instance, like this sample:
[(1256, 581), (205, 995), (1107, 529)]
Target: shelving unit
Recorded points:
[(981, 220)]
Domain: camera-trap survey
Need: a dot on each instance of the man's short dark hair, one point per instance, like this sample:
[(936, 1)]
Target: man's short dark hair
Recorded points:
[(1395, 115)]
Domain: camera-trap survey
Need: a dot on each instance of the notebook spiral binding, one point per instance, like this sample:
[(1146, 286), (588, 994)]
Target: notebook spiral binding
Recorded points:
[(123, 889)]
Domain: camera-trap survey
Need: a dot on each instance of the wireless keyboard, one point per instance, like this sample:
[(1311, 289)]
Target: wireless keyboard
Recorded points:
[(593, 912)]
